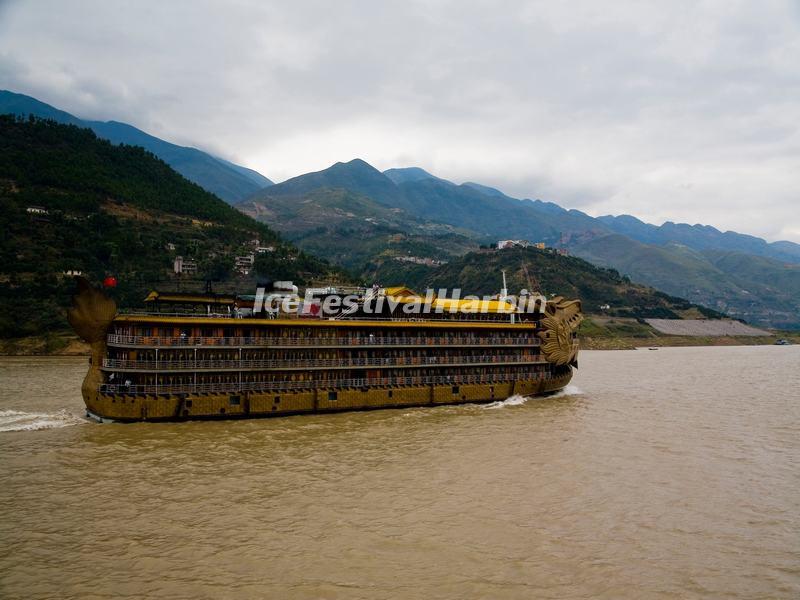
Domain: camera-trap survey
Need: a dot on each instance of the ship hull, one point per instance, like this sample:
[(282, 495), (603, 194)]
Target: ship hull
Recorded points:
[(120, 408)]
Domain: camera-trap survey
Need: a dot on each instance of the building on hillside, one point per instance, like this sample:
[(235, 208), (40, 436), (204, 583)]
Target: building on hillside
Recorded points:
[(503, 244), (37, 210), (418, 260), (244, 264), (539, 245), (265, 249), (185, 266), (170, 246)]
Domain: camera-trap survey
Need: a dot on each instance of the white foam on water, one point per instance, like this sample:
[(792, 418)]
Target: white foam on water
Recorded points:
[(516, 400), (15, 420), (570, 390)]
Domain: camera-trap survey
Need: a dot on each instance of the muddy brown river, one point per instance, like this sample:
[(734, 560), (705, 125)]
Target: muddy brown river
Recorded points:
[(657, 474)]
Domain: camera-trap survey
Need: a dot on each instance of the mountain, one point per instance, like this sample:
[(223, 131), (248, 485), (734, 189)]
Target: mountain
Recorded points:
[(399, 176), (355, 176), (351, 229), (480, 273), (228, 181), (74, 202), (353, 213), (484, 189), (675, 258), (434, 199), (700, 237), (788, 249), (758, 289), (251, 174)]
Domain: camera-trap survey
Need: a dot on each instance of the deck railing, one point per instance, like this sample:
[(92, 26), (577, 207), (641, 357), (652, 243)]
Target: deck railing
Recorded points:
[(267, 386), (403, 361), (356, 341)]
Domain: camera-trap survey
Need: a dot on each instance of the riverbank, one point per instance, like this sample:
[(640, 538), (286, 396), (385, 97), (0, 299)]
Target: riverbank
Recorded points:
[(604, 333), (630, 343), (62, 343)]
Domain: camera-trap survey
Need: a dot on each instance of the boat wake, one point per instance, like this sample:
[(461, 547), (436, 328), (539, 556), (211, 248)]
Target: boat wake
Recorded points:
[(570, 390), (511, 401), (15, 420), (516, 400)]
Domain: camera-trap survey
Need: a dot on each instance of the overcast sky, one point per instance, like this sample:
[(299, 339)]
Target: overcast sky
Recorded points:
[(668, 110)]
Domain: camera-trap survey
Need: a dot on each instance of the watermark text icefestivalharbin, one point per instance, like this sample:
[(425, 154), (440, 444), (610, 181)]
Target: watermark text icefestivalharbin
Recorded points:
[(439, 302)]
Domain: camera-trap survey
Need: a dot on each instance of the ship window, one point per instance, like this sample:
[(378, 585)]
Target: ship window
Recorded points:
[(235, 400), (277, 399), (455, 389), (188, 404), (332, 396), (390, 393)]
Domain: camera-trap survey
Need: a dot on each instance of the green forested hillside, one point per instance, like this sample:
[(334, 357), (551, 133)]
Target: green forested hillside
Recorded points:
[(760, 290), (73, 202), (481, 273), (351, 229)]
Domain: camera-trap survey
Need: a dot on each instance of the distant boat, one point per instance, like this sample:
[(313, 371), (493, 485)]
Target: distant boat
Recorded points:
[(782, 342), (652, 348)]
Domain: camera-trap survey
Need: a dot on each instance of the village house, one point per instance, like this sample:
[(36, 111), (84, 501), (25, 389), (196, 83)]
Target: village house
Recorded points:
[(184, 266), (244, 264), (503, 244)]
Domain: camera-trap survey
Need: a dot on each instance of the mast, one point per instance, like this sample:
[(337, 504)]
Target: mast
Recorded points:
[(504, 294)]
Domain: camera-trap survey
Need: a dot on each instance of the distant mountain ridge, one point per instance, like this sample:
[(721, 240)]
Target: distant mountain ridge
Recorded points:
[(435, 199), (228, 181), (679, 259), (700, 237)]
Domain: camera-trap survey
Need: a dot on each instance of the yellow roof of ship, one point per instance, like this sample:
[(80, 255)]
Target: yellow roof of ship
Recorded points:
[(178, 297), (404, 295), (401, 291)]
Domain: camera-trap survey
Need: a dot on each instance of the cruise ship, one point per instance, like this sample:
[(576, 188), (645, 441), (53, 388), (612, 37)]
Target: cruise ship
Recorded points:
[(203, 356)]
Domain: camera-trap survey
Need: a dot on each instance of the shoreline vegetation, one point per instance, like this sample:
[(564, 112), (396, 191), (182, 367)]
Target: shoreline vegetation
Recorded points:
[(596, 333)]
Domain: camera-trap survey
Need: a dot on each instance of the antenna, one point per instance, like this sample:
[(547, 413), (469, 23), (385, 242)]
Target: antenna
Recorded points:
[(504, 295)]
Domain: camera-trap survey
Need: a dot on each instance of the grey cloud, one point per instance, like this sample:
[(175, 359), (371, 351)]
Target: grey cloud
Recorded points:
[(684, 110)]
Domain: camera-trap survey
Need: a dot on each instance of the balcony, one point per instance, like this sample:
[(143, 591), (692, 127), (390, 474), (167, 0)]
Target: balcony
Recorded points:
[(327, 342), (278, 386), (111, 364)]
